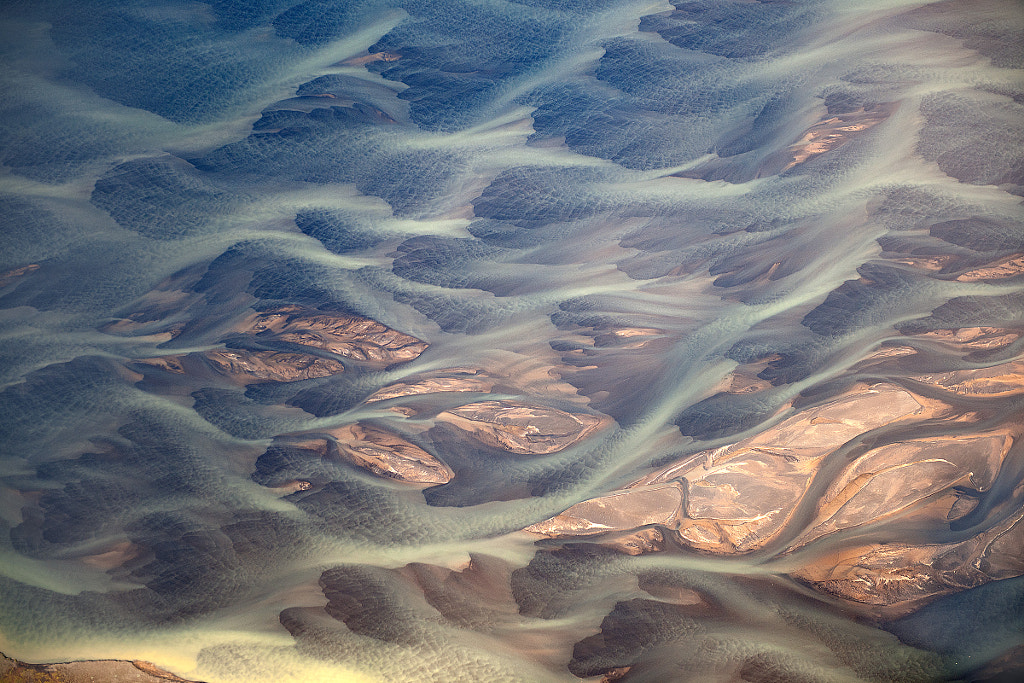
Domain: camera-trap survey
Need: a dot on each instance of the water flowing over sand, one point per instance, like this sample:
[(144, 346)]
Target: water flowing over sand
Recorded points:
[(530, 340)]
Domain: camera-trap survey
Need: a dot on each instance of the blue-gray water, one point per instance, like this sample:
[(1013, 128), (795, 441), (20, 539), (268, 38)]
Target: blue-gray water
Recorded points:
[(764, 259)]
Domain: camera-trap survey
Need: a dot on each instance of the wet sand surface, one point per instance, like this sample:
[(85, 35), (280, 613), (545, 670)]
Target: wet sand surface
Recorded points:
[(528, 341), (108, 671)]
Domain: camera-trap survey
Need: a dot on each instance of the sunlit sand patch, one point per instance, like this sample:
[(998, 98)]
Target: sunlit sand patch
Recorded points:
[(1009, 267), (835, 132), (365, 341), (293, 486), (455, 380), (640, 542), (274, 366), (973, 338), (1000, 269), (92, 670), (11, 276), (389, 455), (517, 374), (888, 480), (816, 431), (742, 495), (248, 367), (1006, 379), (116, 556), (916, 480), (896, 578), (887, 355), (626, 337), (345, 335), (522, 428), (627, 509), (887, 352), (738, 497), (372, 448)]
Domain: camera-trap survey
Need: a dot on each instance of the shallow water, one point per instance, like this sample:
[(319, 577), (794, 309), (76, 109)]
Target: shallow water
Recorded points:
[(538, 340)]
